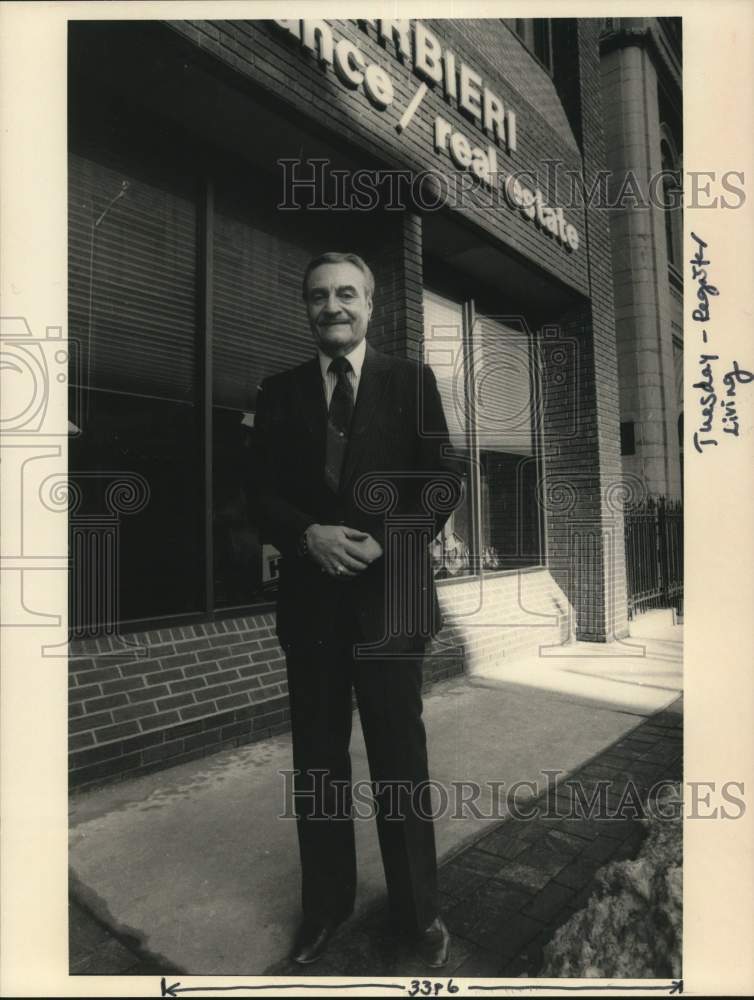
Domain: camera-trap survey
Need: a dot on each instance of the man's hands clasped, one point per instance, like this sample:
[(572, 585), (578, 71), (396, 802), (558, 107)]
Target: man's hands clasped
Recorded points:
[(340, 551)]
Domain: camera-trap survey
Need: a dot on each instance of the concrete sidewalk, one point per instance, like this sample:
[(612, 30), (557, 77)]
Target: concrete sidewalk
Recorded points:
[(190, 868)]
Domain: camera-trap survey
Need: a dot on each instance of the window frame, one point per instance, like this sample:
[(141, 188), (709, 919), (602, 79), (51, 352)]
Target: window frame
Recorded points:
[(469, 316), (206, 178), (466, 305), (528, 40), (80, 398), (536, 392), (672, 217)]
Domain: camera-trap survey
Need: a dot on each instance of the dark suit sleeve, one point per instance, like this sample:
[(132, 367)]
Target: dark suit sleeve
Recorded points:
[(280, 522), (435, 452)]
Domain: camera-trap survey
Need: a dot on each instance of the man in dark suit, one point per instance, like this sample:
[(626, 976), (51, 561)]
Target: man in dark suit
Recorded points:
[(352, 482)]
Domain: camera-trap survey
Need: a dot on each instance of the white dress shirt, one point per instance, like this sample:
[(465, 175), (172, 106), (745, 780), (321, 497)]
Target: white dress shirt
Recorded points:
[(330, 379)]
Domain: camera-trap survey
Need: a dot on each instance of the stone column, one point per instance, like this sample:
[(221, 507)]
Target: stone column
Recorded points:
[(640, 265)]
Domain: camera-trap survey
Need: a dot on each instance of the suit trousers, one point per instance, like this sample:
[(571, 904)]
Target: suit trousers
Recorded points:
[(321, 678)]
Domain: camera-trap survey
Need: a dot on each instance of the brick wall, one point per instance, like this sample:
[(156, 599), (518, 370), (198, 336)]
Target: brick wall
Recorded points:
[(500, 616), (185, 692), (614, 620), (179, 694), (397, 324), (496, 44), (275, 61), (582, 444)]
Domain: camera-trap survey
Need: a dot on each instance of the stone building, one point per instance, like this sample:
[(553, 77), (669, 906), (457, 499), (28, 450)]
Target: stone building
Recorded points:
[(643, 122)]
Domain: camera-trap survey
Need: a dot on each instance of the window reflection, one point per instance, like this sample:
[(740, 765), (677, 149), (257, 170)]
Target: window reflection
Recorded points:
[(444, 352), (504, 408), (132, 314), (259, 327)]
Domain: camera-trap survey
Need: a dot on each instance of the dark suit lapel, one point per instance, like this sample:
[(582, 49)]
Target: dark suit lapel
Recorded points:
[(375, 375)]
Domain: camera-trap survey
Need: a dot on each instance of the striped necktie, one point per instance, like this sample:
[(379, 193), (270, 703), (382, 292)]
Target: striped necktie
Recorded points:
[(338, 422)]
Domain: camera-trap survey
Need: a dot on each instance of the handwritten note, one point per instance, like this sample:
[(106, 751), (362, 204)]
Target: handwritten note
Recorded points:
[(718, 403)]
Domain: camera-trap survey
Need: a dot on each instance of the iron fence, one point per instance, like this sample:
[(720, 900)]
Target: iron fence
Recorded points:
[(654, 554)]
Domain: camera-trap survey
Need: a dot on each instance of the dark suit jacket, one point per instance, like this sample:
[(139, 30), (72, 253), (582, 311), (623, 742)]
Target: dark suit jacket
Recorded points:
[(400, 434)]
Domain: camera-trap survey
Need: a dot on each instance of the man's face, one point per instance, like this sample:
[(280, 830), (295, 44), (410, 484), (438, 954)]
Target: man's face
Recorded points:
[(338, 307)]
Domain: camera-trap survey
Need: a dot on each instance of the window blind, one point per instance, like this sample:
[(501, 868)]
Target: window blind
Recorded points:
[(502, 402), (444, 353), (132, 277), (260, 324)]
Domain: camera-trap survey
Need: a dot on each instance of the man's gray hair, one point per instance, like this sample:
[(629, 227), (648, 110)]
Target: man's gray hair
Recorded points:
[(331, 257)]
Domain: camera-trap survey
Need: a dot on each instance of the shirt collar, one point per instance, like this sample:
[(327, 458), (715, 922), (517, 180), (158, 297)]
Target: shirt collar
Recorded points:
[(356, 359)]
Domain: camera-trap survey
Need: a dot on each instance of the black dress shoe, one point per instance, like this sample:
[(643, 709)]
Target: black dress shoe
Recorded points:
[(312, 939), (434, 944)]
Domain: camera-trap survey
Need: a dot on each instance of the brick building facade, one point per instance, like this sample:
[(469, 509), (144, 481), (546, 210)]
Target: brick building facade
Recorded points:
[(194, 147)]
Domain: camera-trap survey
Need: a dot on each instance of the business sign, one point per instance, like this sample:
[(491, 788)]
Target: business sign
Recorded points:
[(436, 67)]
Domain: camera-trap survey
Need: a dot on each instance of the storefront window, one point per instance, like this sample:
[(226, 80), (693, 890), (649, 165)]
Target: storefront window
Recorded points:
[(504, 408), (135, 274), (444, 352), (492, 362), (259, 327), (139, 262), (132, 312)]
